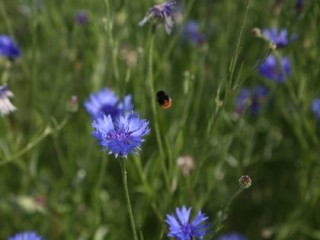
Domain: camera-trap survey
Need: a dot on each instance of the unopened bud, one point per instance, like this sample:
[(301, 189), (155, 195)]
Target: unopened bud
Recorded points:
[(273, 46), (245, 182), (256, 32), (185, 164), (73, 104)]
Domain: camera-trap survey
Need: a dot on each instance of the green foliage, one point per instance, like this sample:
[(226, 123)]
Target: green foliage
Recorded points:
[(55, 179)]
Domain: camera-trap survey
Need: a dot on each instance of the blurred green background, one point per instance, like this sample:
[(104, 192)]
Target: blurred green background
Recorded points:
[(55, 179)]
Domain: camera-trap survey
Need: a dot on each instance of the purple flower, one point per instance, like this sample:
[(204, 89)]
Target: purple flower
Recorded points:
[(279, 38), (253, 98), (315, 106), (181, 229), (8, 48), (82, 17), (274, 69), (106, 102), (26, 236), (160, 14), (6, 106), (120, 136), (190, 32), (232, 236)]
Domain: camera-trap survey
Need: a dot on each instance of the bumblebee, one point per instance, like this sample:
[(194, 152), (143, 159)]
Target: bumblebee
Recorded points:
[(163, 99)]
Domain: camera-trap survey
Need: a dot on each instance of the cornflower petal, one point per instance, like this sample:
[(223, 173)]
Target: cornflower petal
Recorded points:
[(181, 229), (120, 136), (26, 236), (106, 102), (160, 14), (8, 48)]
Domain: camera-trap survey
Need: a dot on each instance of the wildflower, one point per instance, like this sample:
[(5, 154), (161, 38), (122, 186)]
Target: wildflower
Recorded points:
[(160, 14), (190, 32), (254, 99), (5, 105), (106, 102), (185, 164), (275, 69), (82, 17), (258, 97), (232, 236), (26, 236), (242, 100), (181, 229), (245, 182), (277, 37), (8, 48), (315, 106), (121, 136)]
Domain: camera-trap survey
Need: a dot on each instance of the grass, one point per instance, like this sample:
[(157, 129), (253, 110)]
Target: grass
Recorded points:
[(55, 179)]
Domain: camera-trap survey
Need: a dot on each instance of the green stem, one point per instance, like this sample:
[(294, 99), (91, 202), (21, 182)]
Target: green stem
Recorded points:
[(46, 132), (154, 111), (113, 46), (225, 211), (126, 191)]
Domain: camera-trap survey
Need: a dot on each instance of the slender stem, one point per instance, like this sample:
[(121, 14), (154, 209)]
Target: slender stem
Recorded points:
[(154, 111), (113, 45), (126, 191), (46, 132), (225, 211)]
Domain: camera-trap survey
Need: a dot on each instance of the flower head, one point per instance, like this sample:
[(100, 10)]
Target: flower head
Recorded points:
[(82, 17), (8, 48), (253, 98), (190, 32), (120, 136), (279, 38), (5, 105), (274, 69), (180, 227), (315, 106), (106, 102), (160, 14), (26, 236), (232, 236)]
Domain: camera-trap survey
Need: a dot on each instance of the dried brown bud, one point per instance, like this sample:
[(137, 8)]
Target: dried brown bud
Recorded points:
[(186, 164)]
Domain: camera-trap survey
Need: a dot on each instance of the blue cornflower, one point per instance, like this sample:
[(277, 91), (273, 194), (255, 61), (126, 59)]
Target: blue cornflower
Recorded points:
[(253, 98), (6, 106), (275, 70), (232, 236), (190, 32), (8, 48), (243, 99), (279, 38), (315, 106), (160, 14), (106, 102), (82, 17), (120, 136), (181, 229), (26, 236)]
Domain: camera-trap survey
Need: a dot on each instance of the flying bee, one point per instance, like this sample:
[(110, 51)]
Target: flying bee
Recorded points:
[(163, 99)]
